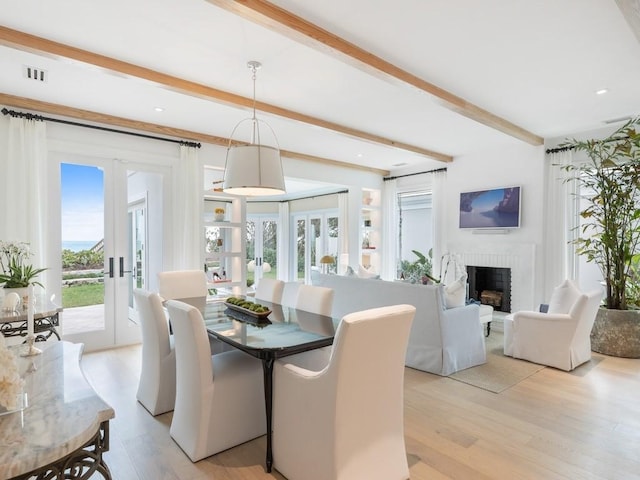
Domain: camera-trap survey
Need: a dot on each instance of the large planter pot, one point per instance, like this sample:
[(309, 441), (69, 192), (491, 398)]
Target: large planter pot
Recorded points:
[(616, 333)]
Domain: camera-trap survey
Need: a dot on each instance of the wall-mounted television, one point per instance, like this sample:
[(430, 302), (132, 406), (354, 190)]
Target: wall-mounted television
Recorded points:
[(495, 208)]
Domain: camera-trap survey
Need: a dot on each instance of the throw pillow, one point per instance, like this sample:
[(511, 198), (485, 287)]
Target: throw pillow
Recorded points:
[(349, 272), (366, 273), (455, 294), (563, 297)]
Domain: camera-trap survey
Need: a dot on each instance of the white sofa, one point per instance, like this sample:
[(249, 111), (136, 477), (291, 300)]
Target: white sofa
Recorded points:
[(442, 341)]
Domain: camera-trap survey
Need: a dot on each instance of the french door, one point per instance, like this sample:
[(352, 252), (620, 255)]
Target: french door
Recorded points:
[(316, 235), (108, 246), (262, 247)]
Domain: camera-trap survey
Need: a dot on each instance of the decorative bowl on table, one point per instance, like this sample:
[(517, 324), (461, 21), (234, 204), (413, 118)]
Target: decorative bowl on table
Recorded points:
[(248, 308)]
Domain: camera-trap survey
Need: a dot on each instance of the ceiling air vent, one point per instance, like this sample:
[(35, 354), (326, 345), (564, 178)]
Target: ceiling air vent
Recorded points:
[(34, 73)]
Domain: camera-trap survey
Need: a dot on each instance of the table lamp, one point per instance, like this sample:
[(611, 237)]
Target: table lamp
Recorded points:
[(326, 261)]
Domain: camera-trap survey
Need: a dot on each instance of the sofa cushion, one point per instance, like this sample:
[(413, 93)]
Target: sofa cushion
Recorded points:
[(366, 273), (455, 294), (563, 297)]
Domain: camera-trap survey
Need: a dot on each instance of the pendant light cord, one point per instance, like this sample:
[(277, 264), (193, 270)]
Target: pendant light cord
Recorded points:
[(255, 132)]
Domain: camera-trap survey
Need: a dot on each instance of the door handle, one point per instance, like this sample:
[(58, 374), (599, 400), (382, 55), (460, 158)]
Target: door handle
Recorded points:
[(122, 270), (110, 272)]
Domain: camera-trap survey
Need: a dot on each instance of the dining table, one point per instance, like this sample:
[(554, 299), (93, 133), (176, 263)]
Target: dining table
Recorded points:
[(284, 331)]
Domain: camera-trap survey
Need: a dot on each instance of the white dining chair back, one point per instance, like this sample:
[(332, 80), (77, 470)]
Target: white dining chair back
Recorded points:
[(270, 290), (315, 299), (290, 294), (219, 398), (183, 284), (157, 385), (340, 416)]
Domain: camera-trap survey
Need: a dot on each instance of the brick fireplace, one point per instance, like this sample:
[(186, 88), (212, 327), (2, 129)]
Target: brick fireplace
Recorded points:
[(518, 258)]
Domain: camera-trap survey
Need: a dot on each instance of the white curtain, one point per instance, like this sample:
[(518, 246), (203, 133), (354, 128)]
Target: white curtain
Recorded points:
[(389, 229), (24, 198), (343, 232), (561, 212), (284, 240), (438, 209), (188, 187)]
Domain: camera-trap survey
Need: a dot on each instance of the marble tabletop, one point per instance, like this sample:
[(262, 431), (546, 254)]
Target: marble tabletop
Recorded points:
[(64, 411), (43, 308)]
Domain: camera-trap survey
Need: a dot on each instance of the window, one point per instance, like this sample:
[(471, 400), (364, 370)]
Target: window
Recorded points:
[(415, 226)]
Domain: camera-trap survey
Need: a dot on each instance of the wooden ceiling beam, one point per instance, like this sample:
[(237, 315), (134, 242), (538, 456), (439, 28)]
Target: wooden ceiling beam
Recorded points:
[(39, 46), (101, 118), (299, 29), (631, 11)]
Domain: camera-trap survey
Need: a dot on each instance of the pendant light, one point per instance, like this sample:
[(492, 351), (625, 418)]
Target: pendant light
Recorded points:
[(253, 169)]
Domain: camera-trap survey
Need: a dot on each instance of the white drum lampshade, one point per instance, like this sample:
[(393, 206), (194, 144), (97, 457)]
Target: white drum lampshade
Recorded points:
[(253, 170)]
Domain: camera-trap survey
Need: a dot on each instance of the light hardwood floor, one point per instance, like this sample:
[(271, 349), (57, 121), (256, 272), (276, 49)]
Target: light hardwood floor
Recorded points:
[(553, 425)]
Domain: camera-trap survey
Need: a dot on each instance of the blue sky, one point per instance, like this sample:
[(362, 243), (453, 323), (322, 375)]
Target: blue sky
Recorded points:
[(82, 202)]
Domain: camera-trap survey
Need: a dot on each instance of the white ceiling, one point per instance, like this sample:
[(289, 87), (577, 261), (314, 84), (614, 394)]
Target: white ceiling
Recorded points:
[(536, 64)]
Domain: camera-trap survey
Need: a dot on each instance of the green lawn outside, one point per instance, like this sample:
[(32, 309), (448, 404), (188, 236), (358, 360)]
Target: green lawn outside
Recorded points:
[(83, 295)]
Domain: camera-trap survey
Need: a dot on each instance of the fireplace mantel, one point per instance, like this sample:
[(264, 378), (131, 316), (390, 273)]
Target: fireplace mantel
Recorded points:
[(519, 257)]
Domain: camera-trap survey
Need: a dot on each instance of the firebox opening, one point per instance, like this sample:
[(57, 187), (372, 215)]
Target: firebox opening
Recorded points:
[(490, 286)]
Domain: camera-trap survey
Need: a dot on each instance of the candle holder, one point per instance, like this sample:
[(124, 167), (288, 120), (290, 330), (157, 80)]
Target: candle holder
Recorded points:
[(32, 350)]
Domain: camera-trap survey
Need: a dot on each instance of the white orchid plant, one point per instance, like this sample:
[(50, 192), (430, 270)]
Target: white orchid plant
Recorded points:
[(15, 271)]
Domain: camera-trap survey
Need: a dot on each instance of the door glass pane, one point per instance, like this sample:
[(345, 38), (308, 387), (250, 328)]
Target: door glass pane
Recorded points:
[(301, 235), (270, 248), (316, 242), (251, 252), (82, 204), (332, 242)]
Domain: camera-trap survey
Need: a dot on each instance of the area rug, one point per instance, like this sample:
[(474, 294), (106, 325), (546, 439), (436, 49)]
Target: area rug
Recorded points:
[(500, 372)]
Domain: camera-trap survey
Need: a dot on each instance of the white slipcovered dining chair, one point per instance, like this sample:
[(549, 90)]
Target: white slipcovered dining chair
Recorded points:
[(315, 299), (184, 285), (219, 398), (270, 290), (157, 385), (290, 294), (338, 413), (560, 337)]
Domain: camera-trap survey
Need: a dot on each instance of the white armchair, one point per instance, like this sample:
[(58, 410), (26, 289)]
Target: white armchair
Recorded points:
[(157, 385), (559, 338), (338, 412)]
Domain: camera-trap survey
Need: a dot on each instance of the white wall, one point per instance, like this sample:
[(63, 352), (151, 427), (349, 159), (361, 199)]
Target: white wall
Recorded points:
[(512, 165)]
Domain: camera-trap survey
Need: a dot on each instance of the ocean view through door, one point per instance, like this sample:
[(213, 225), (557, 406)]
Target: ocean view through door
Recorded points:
[(105, 248)]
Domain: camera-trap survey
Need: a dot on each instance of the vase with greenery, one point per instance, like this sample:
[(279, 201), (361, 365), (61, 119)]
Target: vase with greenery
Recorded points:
[(16, 271), (610, 235)]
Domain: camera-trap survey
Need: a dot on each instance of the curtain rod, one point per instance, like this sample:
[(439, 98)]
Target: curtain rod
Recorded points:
[(443, 169), (31, 116), (559, 149)]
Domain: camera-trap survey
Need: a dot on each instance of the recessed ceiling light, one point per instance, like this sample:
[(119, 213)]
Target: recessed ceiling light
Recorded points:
[(359, 155), (159, 109), (602, 91)]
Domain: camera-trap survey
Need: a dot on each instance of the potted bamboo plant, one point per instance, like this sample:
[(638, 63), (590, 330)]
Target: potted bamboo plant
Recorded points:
[(610, 233)]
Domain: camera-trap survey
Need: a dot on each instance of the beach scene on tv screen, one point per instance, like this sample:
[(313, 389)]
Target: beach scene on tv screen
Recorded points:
[(497, 208)]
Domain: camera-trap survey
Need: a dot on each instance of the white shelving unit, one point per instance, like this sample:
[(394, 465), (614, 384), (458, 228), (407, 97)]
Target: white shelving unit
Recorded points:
[(371, 229), (225, 247)]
